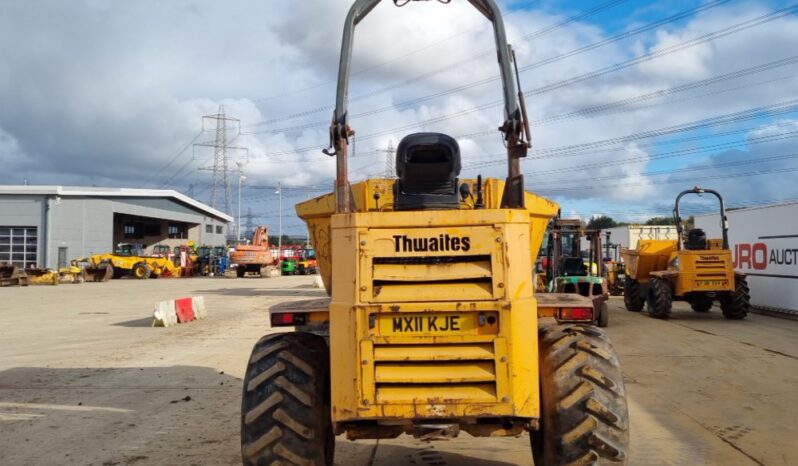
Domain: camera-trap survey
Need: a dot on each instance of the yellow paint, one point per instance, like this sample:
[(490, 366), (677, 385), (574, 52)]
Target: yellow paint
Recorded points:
[(158, 265), (483, 368), (689, 271)]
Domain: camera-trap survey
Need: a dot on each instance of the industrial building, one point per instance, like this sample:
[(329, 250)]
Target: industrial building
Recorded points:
[(47, 226), (764, 244)]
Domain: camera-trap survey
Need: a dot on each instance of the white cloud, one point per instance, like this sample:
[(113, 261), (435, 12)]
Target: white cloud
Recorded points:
[(99, 93)]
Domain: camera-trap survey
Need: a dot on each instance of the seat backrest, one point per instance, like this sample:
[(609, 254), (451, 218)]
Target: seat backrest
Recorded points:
[(696, 240), (427, 165)]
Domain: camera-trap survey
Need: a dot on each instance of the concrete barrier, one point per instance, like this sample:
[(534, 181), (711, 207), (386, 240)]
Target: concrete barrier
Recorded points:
[(164, 315), (178, 311)]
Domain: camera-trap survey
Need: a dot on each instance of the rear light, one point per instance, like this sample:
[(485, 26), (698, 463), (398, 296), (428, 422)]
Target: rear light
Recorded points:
[(576, 313), (285, 319)]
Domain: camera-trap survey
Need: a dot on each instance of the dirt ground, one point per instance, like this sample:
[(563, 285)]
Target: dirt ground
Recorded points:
[(85, 380)]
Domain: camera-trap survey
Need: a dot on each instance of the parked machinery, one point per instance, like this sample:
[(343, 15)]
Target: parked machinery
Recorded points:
[(614, 269), (255, 258), (211, 260), (206, 261), (11, 275), (127, 260), (691, 268), (184, 259), (307, 263), (288, 266), (97, 270), (432, 317), (569, 269), (162, 250), (616, 277), (45, 276)]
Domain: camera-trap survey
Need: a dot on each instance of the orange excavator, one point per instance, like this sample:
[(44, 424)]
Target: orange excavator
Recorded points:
[(255, 258)]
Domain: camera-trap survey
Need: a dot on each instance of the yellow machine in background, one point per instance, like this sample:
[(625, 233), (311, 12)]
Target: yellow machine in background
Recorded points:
[(432, 326), (128, 260), (693, 269)]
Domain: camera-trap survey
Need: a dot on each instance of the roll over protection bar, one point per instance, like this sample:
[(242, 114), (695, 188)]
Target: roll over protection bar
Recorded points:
[(512, 128), (724, 223)]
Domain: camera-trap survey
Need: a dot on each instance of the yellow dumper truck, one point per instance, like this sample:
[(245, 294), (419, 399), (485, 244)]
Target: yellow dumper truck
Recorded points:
[(691, 268), (432, 326)]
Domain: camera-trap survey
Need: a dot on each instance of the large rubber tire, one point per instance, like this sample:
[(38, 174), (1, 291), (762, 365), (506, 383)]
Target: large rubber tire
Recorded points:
[(659, 300), (701, 303), (735, 306), (285, 408), (141, 271), (241, 271), (584, 416), (632, 297), (604, 315)]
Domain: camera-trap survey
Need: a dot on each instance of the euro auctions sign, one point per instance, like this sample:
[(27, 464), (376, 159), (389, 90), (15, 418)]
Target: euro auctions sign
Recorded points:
[(764, 244), (762, 256)]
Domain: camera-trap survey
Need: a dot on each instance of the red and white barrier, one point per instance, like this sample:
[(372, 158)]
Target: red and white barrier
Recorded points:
[(178, 311)]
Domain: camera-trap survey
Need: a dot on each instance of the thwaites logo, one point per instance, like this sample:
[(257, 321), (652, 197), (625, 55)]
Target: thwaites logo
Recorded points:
[(440, 243)]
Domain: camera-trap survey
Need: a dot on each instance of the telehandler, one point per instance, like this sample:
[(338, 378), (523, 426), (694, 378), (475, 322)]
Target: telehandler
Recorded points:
[(432, 326), (127, 260), (691, 268)]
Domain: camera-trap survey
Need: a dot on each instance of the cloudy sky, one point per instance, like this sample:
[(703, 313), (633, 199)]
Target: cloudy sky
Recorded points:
[(630, 101)]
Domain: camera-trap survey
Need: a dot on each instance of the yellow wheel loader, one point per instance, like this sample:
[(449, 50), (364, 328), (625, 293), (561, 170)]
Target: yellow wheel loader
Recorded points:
[(432, 326), (691, 268)]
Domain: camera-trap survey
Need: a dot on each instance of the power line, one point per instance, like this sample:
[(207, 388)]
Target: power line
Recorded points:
[(553, 152), (737, 163), (620, 104), (780, 108), (538, 33), (552, 59), (616, 67), (690, 181), (758, 21), (384, 63), (174, 157)]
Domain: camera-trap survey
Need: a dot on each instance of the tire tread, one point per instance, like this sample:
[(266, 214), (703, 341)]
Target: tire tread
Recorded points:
[(736, 305), (659, 300), (585, 416), (286, 417), (633, 298)]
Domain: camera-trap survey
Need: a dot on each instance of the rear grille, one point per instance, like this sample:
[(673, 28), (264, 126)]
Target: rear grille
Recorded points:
[(710, 268), (432, 278), (435, 373)]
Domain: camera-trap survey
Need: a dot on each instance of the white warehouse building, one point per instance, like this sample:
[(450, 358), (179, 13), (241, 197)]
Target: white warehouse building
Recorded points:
[(764, 243), (48, 226)]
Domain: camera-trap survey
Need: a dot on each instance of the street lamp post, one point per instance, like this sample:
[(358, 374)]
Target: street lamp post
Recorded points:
[(241, 179), (280, 230)]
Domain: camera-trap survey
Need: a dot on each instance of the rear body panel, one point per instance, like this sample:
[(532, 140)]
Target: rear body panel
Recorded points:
[(704, 271), (436, 319)]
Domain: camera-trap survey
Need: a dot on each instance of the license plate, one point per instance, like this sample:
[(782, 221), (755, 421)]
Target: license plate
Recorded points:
[(428, 324), (713, 283)]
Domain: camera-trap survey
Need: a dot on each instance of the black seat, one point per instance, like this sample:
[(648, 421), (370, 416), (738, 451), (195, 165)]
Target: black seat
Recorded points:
[(696, 240), (427, 165), (574, 266)]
